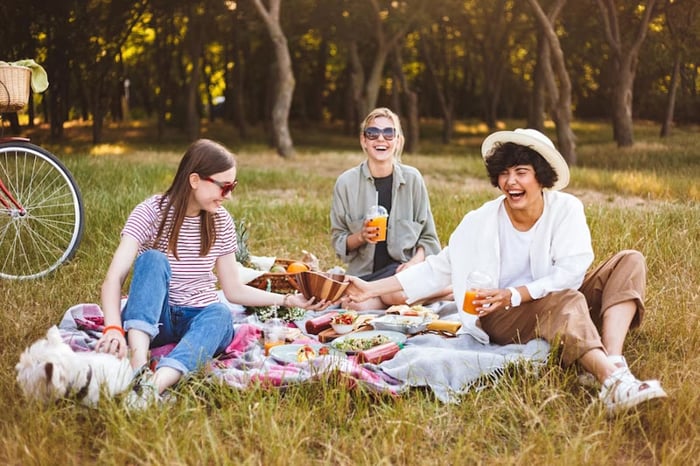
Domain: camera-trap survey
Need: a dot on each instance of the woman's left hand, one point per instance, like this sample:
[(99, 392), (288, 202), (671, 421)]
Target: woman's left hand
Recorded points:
[(490, 300), (298, 300)]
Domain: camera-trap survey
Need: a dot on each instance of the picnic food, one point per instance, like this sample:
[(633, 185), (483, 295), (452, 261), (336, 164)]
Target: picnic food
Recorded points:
[(359, 344), (344, 322), (296, 267), (406, 310), (345, 318), (379, 353), (318, 324), (306, 353)]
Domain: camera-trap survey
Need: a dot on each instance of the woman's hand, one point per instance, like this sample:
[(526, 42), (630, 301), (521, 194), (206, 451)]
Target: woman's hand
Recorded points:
[(369, 234), (112, 342), (489, 300), (298, 300), (358, 290)]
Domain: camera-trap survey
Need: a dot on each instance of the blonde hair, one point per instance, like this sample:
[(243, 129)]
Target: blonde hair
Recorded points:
[(386, 113)]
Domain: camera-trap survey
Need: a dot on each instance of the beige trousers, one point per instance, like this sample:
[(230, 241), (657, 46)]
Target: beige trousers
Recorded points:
[(572, 318)]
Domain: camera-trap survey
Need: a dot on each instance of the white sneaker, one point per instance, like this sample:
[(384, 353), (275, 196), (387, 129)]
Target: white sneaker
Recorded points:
[(589, 380), (622, 391), (144, 392)]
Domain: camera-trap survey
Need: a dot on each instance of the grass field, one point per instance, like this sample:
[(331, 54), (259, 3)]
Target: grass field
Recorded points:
[(645, 197)]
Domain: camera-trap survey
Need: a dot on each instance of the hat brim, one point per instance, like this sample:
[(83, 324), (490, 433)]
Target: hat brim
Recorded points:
[(550, 154)]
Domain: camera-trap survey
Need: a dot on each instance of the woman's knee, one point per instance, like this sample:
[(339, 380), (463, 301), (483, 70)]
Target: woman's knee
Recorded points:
[(220, 319), (631, 258), (152, 258)]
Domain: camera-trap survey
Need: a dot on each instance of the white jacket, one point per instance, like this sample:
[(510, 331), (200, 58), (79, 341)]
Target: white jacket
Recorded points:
[(560, 254)]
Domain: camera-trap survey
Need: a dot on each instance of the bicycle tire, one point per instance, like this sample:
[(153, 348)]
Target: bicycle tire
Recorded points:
[(48, 234)]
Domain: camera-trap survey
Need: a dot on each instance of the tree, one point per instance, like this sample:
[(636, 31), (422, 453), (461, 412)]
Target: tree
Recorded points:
[(388, 24), (625, 54), (683, 23), (282, 138), (554, 67)]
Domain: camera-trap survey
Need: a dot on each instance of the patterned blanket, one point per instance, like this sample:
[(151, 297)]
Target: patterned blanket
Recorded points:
[(449, 366)]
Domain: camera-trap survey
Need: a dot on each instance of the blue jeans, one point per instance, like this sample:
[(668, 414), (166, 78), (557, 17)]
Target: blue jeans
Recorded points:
[(200, 332)]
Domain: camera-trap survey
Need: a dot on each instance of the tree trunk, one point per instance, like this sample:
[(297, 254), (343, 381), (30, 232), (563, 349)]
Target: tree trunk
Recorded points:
[(535, 118), (623, 127), (672, 91), (445, 101), (412, 121), (285, 78), (237, 97), (357, 81), (624, 61), (195, 39), (555, 66)]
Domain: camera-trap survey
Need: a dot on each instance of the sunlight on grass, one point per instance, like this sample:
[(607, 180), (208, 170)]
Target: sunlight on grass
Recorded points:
[(644, 199)]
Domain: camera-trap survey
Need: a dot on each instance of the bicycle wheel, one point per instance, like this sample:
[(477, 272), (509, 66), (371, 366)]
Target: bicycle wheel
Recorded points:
[(43, 229)]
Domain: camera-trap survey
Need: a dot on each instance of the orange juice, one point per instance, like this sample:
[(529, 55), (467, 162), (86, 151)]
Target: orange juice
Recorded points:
[(271, 344), (381, 223), (468, 305)]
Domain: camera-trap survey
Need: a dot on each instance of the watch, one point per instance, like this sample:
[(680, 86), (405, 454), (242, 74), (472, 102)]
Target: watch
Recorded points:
[(515, 298)]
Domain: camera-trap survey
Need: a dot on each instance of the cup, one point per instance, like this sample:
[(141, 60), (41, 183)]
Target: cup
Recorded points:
[(475, 280), (376, 217), (273, 334)]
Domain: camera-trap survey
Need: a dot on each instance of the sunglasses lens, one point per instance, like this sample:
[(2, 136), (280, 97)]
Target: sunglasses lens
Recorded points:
[(373, 133), (228, 187)]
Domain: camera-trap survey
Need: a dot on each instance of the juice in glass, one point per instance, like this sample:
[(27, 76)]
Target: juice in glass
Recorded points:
[(468, 305), (376, 217)]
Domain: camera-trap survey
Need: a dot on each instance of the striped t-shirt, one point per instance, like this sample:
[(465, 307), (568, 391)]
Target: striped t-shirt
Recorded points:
[(193, 281)]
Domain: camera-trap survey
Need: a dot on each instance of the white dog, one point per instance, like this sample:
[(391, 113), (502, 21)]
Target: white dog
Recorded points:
[(50, 370)]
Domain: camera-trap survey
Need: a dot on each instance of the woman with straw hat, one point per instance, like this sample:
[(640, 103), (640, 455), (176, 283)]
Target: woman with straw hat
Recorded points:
[(533, 241)]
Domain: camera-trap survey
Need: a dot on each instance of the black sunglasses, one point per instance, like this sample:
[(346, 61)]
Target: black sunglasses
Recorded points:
[(225, 186), (372, 133)]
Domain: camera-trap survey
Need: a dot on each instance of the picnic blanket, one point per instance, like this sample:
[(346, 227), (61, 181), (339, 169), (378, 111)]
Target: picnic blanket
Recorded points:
[(448, 366)]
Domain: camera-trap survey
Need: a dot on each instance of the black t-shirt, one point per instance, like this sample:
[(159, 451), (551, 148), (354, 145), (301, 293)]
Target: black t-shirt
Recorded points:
[(381, 255)]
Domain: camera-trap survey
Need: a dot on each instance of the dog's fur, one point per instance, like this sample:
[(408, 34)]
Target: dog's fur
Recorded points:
[(50, 370)]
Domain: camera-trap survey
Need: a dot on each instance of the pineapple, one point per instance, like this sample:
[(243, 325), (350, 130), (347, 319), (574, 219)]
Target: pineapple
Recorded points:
[(242, 254)]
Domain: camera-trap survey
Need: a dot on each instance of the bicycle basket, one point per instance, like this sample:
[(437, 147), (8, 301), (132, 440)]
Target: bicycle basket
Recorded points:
[(14, 87)]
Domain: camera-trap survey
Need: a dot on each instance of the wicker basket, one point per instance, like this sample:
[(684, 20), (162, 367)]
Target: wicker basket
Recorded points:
[(14, 87), (280, 282)]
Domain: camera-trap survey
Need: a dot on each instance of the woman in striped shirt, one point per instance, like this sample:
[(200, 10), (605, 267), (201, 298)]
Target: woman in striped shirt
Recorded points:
[(180, 244)]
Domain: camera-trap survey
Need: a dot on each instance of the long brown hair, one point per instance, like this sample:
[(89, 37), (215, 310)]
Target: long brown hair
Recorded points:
[(204, 157)]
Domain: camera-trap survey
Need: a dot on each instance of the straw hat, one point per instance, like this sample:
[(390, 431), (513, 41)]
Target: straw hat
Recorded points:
[(536, 141)]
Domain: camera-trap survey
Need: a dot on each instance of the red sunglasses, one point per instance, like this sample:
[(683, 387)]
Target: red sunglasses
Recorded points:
[(225, 187)]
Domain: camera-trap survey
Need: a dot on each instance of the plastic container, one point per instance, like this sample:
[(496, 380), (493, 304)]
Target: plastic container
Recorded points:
[(377, 217), (378, 353)]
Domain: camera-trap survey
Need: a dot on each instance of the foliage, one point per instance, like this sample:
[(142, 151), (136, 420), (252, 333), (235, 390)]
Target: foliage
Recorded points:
[(527, 418), (483, 53)]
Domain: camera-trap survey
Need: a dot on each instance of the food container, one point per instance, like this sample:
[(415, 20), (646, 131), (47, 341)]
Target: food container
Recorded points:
[(319, 285), (342, 329), (409, 325)]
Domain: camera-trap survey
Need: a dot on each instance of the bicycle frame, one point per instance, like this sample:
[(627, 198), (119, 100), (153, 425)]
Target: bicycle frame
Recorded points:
[(19, 210)]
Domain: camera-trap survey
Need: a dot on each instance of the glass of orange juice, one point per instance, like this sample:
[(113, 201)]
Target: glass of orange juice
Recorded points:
[(377, 217), (273, 334), (475, 281)]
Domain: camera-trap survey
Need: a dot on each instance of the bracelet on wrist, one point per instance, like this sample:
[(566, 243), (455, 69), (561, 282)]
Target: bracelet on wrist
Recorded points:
[(118, 328), (515, 298), (285, 300)]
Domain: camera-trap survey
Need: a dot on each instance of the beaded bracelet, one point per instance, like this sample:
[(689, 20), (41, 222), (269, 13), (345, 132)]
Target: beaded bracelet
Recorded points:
[(285, 300), (114, 327)]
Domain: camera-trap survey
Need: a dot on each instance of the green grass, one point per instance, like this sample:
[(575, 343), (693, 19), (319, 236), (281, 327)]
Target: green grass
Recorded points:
[(644, 198)]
